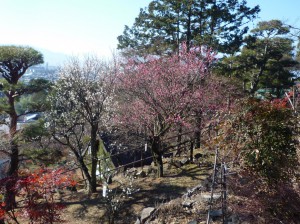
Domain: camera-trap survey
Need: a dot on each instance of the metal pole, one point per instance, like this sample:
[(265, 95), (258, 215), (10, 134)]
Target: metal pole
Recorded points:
[(294, 97), (212, 187), (224, 191)]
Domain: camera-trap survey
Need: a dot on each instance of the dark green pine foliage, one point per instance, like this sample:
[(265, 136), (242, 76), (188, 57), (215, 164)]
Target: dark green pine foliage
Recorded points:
[(160, 28), (266, 60)]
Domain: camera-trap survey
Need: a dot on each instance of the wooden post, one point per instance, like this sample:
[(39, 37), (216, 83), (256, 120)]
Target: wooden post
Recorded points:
[(142, 156), (192, 151)]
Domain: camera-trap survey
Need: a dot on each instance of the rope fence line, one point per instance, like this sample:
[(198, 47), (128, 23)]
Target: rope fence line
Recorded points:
[(179, 134), (124, 165), (119, 167), (116, 154), (141, 148), (131, 150)]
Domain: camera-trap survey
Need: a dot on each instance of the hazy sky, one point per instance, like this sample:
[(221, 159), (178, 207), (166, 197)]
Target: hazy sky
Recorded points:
[(67, 26), (92, 26)]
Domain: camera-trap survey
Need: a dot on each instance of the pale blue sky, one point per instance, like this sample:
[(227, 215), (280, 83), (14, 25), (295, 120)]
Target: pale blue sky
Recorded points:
[(92, 26), (285, 10), (67, 26)]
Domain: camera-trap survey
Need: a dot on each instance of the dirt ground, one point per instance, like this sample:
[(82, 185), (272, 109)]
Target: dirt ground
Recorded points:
[(247, 201), (82, 208)]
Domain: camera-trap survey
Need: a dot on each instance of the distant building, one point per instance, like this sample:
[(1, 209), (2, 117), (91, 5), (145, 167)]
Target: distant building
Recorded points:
[(41, 71), (22, 121)]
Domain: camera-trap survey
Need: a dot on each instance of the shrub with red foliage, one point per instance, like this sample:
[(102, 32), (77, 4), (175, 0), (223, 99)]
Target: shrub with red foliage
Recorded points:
[(36, 196), (280, 103)]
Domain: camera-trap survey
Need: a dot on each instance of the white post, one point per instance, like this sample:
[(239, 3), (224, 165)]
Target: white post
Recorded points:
[(104, 190), (290, 100)]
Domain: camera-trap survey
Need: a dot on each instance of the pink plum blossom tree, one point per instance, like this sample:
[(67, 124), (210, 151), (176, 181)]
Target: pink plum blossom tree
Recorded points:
[(160, 93)]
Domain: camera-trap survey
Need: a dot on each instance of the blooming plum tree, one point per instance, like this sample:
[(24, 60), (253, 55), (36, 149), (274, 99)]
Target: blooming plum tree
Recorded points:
[(160, 92), (81, 105)]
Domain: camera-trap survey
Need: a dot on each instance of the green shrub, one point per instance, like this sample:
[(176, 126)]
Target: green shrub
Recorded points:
[(270, 135)]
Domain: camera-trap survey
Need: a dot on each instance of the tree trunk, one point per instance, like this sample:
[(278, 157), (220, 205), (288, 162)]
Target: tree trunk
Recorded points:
[(86, 173), (14, 150), (244, 85), (257, 76), (189, 33), (94, 151), (178, 32), (10, 200), (157, 155), (198, 131), (179, 140), (14, 155)]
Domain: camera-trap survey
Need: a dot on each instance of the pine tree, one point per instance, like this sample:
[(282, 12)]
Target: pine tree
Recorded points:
[(160, 28), (14, 61), (266, 59)]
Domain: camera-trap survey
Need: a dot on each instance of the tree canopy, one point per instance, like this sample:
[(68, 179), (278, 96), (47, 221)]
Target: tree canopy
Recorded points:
[(160, 28), (266, 59), (15, 60)]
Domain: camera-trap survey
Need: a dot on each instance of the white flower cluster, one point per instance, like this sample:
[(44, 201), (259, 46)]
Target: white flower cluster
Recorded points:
[(83, 94)]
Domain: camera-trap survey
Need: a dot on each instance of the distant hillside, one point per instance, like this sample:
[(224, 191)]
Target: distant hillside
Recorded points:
[(53, 58)]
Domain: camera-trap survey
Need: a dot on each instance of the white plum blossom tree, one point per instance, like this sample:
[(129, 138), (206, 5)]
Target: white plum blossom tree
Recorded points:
[(81, 105)]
